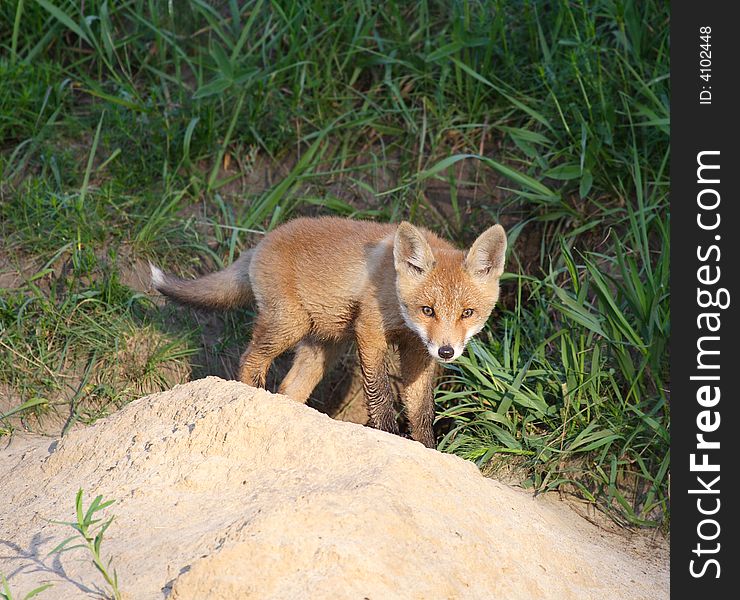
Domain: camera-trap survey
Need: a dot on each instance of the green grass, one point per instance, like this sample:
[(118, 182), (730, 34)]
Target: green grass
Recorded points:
[(136, 131)]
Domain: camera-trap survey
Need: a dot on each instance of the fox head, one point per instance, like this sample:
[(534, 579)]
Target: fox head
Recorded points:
[(446, 295)]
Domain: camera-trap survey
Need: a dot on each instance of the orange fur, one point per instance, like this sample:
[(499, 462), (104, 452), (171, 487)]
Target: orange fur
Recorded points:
[(319, 283)]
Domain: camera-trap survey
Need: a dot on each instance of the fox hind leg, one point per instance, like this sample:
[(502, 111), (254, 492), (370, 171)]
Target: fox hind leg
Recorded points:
[(270, 338), (312, 361)]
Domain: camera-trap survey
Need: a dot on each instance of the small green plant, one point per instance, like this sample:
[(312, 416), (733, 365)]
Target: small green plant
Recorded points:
[(5, 593), (91, 531)]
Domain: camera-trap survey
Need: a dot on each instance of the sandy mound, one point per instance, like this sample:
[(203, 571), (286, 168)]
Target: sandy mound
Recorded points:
[(224, 491)]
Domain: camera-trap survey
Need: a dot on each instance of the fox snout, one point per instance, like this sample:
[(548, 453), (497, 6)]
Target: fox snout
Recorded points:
[(446, 352)]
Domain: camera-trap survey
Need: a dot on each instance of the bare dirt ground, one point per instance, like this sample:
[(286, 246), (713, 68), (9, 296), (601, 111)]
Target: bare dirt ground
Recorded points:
[(224, 491)]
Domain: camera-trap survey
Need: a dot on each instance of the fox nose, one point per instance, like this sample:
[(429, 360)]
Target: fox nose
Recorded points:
[(446, 352)]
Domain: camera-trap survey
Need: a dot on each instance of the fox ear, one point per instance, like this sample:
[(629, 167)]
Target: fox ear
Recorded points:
[(485, 259), (411, 252)]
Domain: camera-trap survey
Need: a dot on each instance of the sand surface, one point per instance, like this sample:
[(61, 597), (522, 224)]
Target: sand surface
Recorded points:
[(224, 491)]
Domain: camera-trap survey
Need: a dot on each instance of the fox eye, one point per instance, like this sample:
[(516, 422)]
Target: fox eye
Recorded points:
[(468, 312), (428, 311)]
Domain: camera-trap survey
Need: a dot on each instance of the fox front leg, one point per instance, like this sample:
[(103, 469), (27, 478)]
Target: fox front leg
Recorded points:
[(372, 350), (419, 371)]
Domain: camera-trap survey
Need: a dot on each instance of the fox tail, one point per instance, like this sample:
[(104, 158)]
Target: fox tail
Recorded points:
[(224, 289)]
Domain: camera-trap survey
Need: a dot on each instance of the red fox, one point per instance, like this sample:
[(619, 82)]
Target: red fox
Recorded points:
[(321, 282)]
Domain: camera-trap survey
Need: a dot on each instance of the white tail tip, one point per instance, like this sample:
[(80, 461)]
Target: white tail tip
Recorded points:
[(158, 277)]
